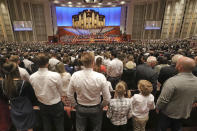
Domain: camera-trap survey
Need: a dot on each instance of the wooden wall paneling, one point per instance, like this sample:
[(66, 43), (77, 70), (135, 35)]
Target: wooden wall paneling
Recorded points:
[(2, 28), (6, 26), (39, 22)]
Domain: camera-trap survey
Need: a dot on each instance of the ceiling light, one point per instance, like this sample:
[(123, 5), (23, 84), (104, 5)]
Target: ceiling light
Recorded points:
[(122, 2), (63, 5), (69, 2), (109, 3), (95, 6), (79, 3), (56, 2)]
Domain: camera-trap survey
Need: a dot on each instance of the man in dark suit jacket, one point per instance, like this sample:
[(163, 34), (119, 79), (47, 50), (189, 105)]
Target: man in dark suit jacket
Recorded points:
[(169, 71), (146, 72)]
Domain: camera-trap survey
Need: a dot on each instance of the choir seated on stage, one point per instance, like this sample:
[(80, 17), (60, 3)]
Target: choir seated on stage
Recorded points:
[(125, 80)]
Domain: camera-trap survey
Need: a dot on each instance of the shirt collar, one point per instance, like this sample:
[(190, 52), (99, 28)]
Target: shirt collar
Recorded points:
[(185, 73), (88, 69), (43, 69)]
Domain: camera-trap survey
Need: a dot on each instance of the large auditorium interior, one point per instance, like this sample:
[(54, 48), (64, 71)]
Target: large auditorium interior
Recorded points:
[(98, 65)]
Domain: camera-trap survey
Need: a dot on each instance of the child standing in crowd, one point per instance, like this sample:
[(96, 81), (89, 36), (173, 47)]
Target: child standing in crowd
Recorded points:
[(120, 109), (141, 104)]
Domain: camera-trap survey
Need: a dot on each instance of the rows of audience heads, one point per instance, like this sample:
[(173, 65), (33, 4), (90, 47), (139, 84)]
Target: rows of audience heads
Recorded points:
[(131, 54)]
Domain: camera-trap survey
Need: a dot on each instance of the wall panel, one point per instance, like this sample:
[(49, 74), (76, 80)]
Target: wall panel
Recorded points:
[(6, 33)]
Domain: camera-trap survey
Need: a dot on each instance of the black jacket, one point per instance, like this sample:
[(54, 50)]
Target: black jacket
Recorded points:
[(145, 72)]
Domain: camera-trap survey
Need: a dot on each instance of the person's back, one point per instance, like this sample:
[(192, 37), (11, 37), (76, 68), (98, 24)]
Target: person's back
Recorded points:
[(166, 72), (184, 93), (129, 76), (177, 96), (142, 103), (45, 84), (120, 108), (88, 86), (146, 72), (49, 89)]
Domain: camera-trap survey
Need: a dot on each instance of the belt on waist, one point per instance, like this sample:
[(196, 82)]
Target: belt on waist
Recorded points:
[(89, 106)]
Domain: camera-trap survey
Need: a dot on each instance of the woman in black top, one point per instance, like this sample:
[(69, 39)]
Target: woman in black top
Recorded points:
[(16, 90)]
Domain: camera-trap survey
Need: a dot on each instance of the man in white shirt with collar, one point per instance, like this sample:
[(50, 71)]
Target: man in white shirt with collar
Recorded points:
[(27, 62), (114, 69), (53, 61), (48, 88), (88, 85)]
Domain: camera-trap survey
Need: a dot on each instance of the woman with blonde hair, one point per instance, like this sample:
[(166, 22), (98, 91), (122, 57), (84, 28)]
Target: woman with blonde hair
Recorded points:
[(60, 68), (120, 109), (142, 103)]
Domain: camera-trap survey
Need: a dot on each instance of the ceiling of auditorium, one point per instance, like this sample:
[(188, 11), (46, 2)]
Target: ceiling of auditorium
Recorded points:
[(81, 3)]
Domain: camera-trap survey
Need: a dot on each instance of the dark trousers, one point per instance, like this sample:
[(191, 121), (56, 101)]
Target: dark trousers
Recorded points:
[(120, 128), (167, 122), (52, 115), (89, 117)]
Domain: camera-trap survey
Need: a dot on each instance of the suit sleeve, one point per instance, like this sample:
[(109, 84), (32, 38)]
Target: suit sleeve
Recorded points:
[(166, 94)]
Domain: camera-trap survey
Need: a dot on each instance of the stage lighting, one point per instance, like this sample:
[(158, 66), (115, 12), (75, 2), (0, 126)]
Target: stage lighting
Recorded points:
[(92, 1), (122, 2)]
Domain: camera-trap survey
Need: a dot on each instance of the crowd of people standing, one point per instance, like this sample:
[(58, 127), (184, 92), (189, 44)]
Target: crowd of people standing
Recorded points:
[(127, 79)]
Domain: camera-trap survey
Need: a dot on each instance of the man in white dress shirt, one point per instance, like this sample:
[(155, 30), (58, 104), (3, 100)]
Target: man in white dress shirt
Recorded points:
[(53, 61), (88, 85), (48, 88), (27, 62), (114, 69)]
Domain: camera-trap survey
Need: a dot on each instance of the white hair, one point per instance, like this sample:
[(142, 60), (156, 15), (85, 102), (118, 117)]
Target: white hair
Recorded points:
[(175, 58), (151, 59)]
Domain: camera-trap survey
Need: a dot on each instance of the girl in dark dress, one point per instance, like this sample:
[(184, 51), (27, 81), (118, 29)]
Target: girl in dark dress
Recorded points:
[(22, 114)]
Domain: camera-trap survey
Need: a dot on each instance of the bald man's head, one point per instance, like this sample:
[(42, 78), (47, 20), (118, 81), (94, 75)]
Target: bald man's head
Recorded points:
[(185, 64)]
